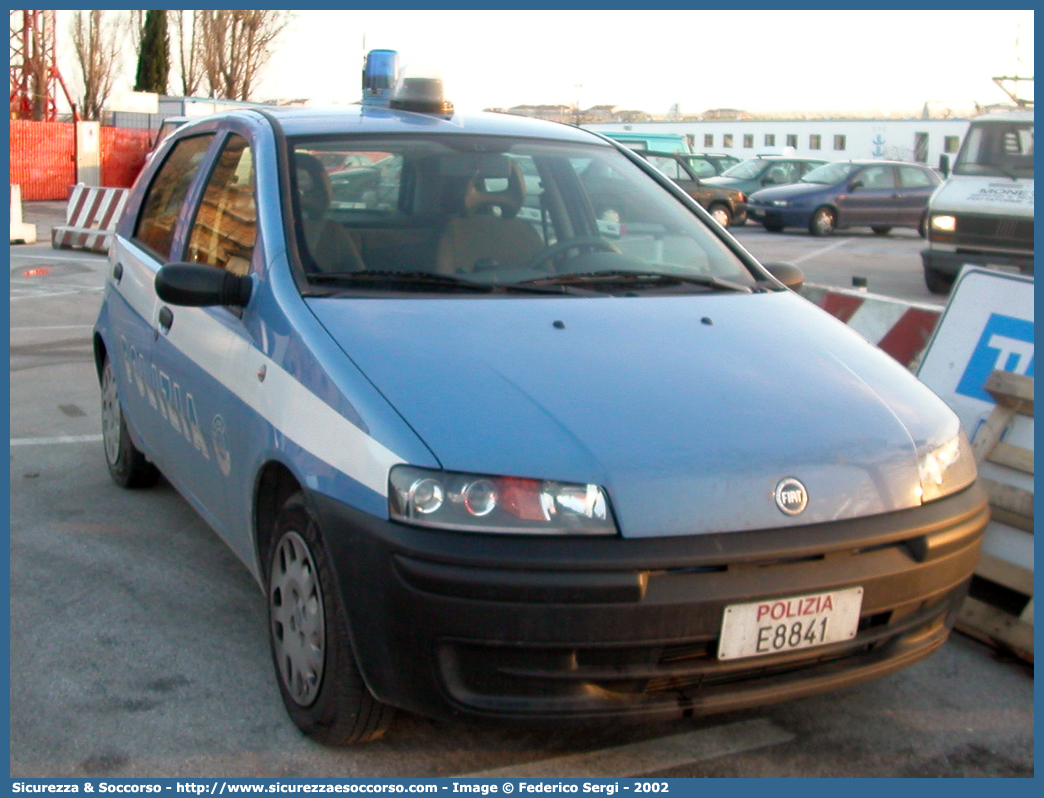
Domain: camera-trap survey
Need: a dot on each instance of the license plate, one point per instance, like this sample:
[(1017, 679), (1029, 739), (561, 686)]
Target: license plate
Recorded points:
[(773, 626)]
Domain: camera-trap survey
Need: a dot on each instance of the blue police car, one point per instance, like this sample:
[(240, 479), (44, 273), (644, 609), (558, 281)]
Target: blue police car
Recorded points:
[(489, 455)]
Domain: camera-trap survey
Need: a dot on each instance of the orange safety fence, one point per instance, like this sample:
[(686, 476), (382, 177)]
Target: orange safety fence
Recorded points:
[(123, 152), (43, 157)]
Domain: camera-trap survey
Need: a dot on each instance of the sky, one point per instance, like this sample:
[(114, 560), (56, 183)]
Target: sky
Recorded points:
[(873, 61), (649, 60)]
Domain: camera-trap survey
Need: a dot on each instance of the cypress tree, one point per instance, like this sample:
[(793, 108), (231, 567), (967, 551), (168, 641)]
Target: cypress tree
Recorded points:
[(154, 58)]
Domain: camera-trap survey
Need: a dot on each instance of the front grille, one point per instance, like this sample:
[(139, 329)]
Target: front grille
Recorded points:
[(974, 232)]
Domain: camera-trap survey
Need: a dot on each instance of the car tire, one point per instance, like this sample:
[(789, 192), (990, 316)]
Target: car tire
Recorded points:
[(319, 680), (128, 467), (938, 282), (823, 222), (721, 214), (881, 229), (772, 228)]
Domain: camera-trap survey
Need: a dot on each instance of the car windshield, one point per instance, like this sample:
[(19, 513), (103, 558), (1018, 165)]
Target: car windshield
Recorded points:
[(746, 170), (469, 214), (829, 174), (996, 149)]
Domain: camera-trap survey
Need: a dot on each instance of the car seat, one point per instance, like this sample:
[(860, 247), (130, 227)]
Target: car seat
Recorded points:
[(488, 235), (328, 247)]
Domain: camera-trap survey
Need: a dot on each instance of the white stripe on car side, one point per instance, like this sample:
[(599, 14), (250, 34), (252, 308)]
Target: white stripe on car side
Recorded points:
[(280, 399)]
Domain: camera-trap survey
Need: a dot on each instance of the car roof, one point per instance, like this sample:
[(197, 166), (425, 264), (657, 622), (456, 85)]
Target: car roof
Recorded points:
[(873, 161), (359, 119), (1005, 116)]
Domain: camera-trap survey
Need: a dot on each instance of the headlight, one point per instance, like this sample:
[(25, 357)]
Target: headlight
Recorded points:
[(504, 505), (944, 223), (946, 469)]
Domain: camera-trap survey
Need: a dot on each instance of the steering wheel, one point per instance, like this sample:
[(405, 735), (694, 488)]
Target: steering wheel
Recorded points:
[(582, 242)]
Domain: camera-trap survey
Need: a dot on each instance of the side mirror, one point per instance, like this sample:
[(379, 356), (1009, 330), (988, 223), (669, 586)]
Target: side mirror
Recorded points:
[(855, 184), (787, 273), (200, 285)]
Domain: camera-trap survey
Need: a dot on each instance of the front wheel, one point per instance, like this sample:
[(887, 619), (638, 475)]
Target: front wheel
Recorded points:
[(319, 680), (721, 214), (128, 467), (823, 222)]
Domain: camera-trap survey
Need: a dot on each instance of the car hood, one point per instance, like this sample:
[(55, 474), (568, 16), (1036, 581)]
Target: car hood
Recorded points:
[(688, 410), (788, 192)]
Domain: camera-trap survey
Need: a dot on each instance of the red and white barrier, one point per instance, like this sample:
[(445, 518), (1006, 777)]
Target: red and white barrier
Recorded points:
[(90, 218), (900, 328), (21, 232)]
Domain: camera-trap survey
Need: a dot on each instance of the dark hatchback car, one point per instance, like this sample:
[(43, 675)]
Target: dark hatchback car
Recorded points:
[(755, 174), (727, 205), (875, 194)]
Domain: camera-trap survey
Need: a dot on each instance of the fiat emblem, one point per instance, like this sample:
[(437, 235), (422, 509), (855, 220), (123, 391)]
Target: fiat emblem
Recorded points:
[(791, 496)]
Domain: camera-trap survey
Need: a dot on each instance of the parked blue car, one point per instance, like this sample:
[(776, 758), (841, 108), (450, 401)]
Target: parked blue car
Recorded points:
[(489, 455), (875, 194)]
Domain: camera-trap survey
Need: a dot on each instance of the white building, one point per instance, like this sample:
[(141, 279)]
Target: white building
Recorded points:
[(922, 140)]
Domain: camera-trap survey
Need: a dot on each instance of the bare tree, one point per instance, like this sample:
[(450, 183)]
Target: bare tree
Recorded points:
[(237, 45), (190, 56), (98, 41)]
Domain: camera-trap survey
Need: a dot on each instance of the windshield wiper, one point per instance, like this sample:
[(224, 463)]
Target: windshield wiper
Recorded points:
[(630, 278), (414, 279), (424, 280)]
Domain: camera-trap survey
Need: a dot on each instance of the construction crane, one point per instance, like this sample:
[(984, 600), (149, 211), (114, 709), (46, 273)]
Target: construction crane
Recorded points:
[(35, 78)]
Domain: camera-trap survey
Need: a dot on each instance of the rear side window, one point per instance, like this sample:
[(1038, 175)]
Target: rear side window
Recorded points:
[(911, 177), (225, 226), (162, 205)]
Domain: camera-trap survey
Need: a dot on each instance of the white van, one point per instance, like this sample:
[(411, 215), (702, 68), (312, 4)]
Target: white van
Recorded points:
[(983, 213)]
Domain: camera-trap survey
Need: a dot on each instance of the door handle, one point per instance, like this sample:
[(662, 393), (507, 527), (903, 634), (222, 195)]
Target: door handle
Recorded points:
[(166, 319)]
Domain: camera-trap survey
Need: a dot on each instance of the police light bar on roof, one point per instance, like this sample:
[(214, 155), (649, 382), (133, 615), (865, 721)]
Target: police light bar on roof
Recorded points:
[(416, 89), (380, 75), (421, 91)]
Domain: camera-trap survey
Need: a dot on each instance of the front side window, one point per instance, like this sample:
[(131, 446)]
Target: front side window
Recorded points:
[(876, 177), (162, 204), (468, 214), (225, 226)]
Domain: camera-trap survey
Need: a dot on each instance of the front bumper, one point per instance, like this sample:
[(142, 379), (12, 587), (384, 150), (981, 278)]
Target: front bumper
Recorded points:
[(580, 629), (951, 262)]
